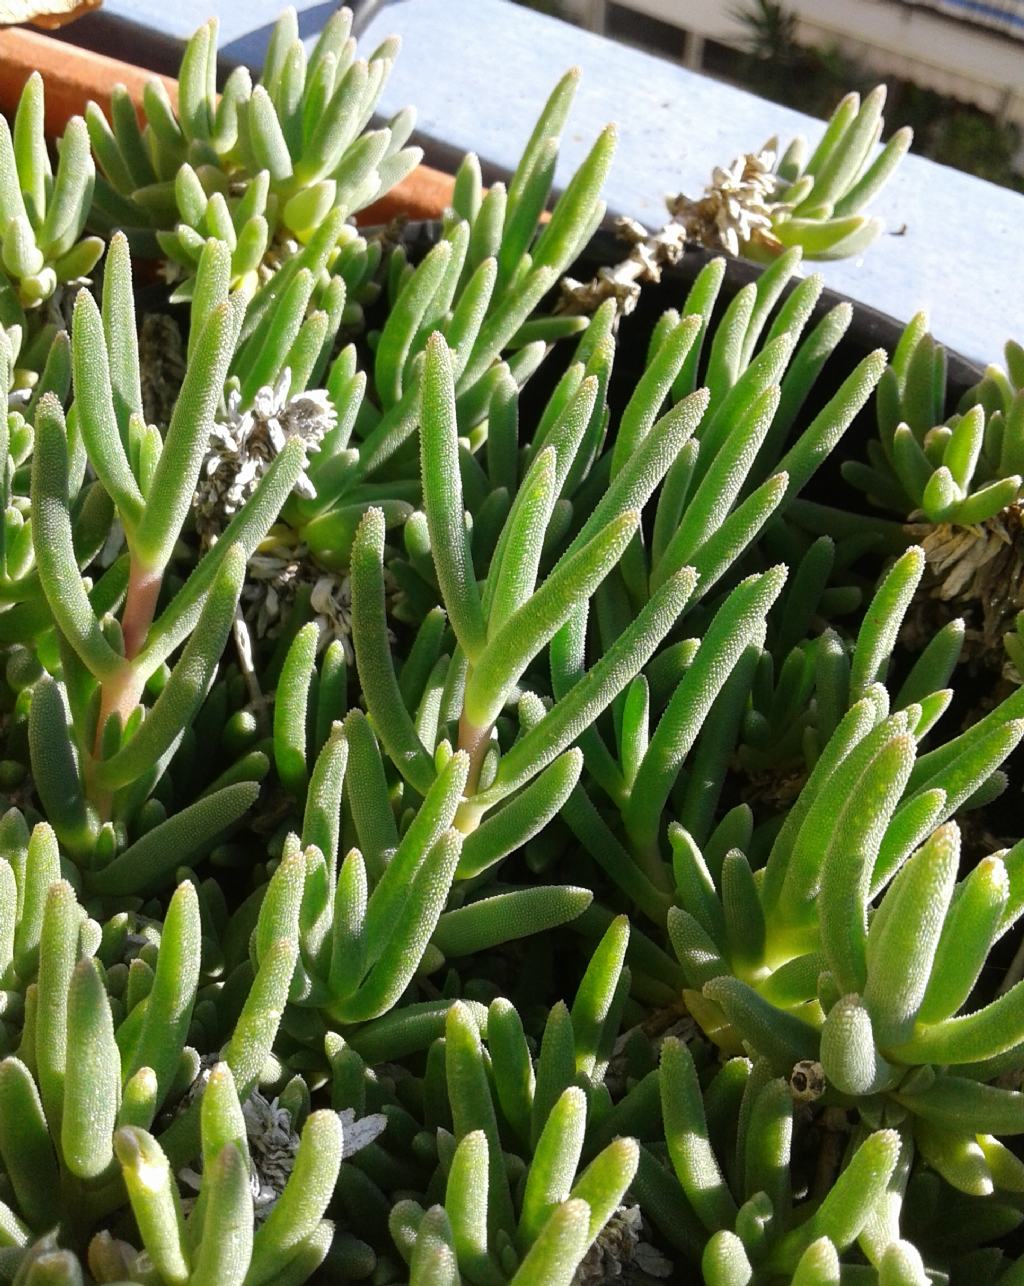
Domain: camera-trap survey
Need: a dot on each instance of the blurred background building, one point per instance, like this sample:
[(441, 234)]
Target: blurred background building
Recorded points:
[(955, 68)]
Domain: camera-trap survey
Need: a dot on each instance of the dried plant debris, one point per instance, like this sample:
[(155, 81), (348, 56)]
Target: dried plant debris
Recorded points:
[(737, 207), (243, 444), (161, 366), (649, 253), (466, 827), (766, 201)]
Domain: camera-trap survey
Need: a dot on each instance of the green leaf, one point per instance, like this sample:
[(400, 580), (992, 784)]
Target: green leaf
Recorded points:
[(651, 390), (506, 656), (559, 1248), (32, 161), (321, 821), (849, 1054), (433, 1260), (58, 955), (848, 1205), (604, 1182), (737, 622), (370, 631), (553, 1168), (707, 509), (519, 913), (298, 1211), (25, 1146), (92, 1077), (466, 1205), (222, 1256), (596, 993), (473, 1109), (174, 483), (156, 854), (442, 499), (54, 545), (570, 225), (635, 481), (901, 952), (725, 1261), (686, 1136), (512, 1066), (291, 700), (819, 1265), (523, 817), (404, 321), (778, 1036), (970, 928), (413, 927), (849, 857), (55, 769), (599, 686), (168, 1012), (103, 430), (71, 196)]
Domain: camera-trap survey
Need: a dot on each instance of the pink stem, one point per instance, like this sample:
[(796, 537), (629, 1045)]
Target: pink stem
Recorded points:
[(474, 741), (119, 695), (122, 693), (139, 607)]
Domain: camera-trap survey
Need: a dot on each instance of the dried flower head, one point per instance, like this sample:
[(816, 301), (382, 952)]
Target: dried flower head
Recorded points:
[(244, 442), (274, 1142), (620, 1254), (737, 207), (277, 571), (649, 253), (982, 563)]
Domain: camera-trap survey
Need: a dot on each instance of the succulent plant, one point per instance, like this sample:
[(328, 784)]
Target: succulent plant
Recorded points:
[(123, 997), (94, 762), (416, 638), (821, 959), (955, 478), (768, 201), (516, 1205), (259, 167), (480, 285), (42, 213), (740, 1214)]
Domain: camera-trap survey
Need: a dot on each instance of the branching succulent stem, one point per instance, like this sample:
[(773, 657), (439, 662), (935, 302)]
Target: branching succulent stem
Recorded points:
[(121, 695), (650, 861), (474, 741), (123, 692), (140, 607)]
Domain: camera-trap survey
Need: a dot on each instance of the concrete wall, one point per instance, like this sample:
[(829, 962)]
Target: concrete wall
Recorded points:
[(972, 63)]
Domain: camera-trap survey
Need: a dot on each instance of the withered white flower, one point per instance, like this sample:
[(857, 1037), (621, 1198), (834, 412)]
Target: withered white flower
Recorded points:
[(279, 568), (737, 206), (274, 1142), (244, 442), (360, 1133), (621, 1253), (981, 565)]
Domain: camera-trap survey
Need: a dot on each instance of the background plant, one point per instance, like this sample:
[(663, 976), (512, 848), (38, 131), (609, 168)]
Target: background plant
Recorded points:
[(767, 201), (42, 216)]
